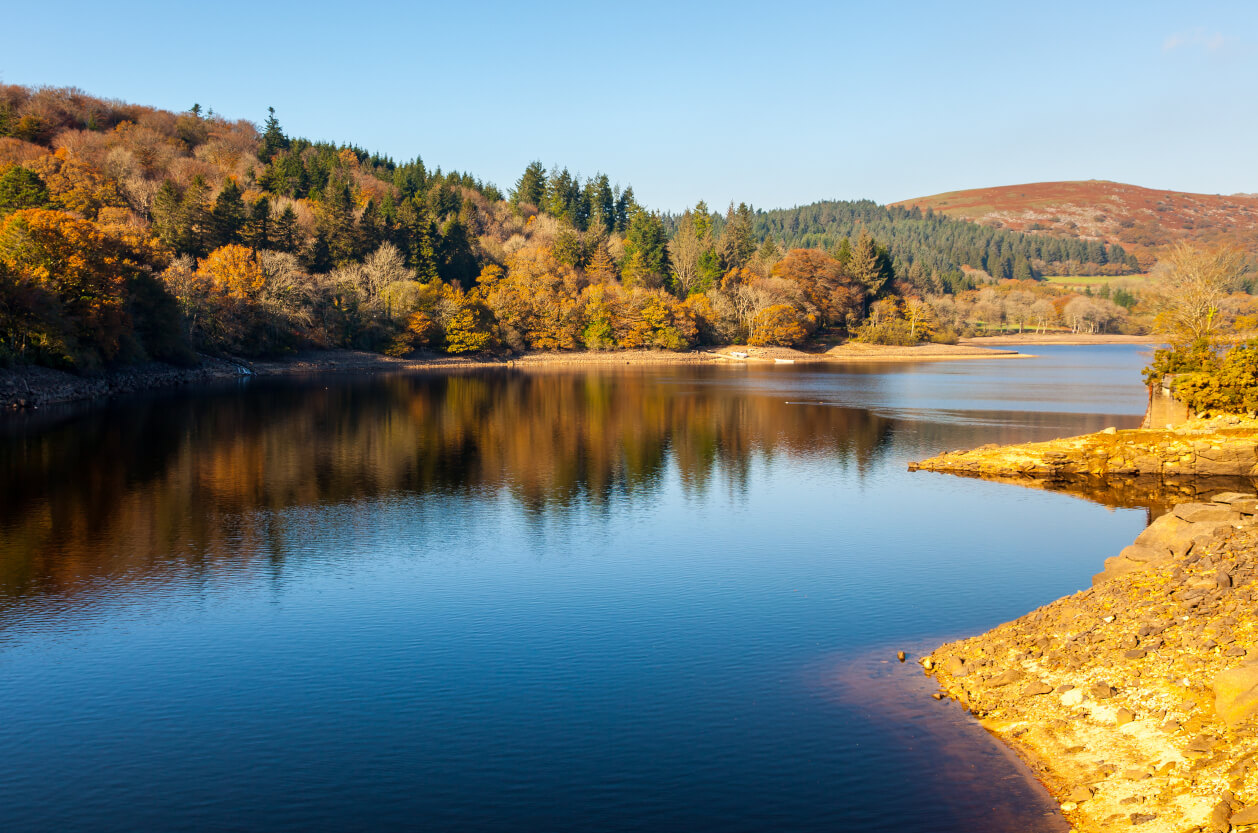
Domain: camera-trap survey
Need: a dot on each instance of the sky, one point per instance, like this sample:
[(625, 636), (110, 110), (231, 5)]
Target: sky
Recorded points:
[(773, 104)]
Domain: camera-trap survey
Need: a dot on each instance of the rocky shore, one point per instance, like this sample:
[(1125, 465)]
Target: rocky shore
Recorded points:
[(1220, 447), (1136, 700)]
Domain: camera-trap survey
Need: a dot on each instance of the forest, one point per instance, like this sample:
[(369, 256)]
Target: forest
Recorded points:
[(129, 233)]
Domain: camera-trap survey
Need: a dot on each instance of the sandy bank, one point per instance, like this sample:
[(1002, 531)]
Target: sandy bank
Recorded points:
[(1136, 700), (32, 387)]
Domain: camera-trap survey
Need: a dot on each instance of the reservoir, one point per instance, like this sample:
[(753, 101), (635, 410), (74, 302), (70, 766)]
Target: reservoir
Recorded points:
[(649, 598)]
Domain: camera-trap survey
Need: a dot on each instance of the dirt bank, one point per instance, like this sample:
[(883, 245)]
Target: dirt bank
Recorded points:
[(1136, 700)]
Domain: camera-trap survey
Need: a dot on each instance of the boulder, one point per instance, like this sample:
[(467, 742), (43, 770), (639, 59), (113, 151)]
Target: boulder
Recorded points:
[(1247, 816), (1139, 552), (955, 666), (1236, 693), (1195, 513), (1167, 532), (1231, 497)]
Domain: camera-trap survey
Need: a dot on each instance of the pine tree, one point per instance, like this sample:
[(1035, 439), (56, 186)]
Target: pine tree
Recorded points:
[(287, 234), (530, 188), (257, 231), (21, 188), (456, 261), (227, 218), (273, 138), (867, 267)]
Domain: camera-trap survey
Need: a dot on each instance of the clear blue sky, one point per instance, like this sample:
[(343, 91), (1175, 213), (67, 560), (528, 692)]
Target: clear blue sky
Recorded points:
[(775, 104)]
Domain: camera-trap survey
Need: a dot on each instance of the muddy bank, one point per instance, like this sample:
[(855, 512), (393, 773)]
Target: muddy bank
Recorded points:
[(1136, 700), (1219, 447), (34, 387)]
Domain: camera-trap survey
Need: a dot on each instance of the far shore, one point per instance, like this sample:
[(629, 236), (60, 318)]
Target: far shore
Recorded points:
[(33, 387), (1060, 338)]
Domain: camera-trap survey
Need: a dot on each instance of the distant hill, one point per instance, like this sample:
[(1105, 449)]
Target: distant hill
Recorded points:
[(1142, 220)]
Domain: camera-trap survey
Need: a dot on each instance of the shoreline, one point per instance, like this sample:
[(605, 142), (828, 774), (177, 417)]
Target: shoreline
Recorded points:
[(1136, 700), (1059, 338), (32, 387)]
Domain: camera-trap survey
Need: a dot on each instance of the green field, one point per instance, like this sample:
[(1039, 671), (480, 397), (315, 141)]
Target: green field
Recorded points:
[(1080, 281)]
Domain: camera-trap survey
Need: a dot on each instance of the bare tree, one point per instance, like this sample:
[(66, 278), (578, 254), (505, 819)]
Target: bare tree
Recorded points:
[(1192, 283)]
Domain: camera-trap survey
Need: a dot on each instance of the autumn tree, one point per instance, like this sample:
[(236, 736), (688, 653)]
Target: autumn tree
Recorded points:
[(1191, 284)]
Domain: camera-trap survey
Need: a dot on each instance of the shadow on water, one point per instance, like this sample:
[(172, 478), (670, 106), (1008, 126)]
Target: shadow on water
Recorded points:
[(1157, 495), (977, 782)]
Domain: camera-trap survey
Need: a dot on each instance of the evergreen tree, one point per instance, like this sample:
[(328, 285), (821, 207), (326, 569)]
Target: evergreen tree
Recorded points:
[(868, 267), (646, 250), (457, 262), (257, 231), (530, 188), (22, 188), (738, 243), (287, 234), (227, 218), (273, 138)]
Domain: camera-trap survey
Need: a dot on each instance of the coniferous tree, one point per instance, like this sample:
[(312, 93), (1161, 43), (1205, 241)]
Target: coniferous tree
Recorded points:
[(287, 234), (457, 261), (22, 188), (530, 188), (273, 138), (257, 231), (227, 218)]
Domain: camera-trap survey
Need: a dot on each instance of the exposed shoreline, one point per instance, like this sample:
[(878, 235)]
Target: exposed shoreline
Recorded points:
[(1059, 338), (1136, 701), (34, 387)]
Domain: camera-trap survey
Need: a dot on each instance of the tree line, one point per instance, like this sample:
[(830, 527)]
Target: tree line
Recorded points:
[(129, 233)]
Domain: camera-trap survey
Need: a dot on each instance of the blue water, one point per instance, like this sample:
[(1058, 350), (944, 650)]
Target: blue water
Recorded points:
[(640, 599)]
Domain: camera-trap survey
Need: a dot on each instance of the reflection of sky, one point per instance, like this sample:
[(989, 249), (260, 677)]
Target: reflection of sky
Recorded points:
[(640, 658)]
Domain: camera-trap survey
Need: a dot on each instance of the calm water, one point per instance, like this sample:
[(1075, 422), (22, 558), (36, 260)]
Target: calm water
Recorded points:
[(649, 599)]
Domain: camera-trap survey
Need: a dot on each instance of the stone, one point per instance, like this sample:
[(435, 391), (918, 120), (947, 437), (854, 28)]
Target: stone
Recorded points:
[(1230, 497), (1143, 554), (1124, 717), (1236, 693), (1247, 816), (1101, 691), (1195, 513), (1072, 698), (1169, 532), (1004, 679), (900, 655), (1080, 794), (955, 666)]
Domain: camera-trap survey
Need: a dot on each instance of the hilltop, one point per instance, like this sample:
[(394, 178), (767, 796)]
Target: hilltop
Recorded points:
[(1142, 220)]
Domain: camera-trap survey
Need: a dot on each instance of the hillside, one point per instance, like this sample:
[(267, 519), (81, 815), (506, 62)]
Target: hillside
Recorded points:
[(1140, 219)]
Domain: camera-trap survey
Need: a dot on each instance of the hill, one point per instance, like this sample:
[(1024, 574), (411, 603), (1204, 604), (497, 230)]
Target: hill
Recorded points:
[(1142, 220)]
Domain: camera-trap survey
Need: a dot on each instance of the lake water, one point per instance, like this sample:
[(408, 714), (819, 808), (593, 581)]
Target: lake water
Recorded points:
[(639, 599)]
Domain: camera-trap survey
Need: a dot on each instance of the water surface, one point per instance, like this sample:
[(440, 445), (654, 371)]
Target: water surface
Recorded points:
[(650, 598)]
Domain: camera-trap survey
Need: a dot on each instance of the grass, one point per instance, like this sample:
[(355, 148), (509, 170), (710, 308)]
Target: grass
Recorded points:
[(1091, 280)]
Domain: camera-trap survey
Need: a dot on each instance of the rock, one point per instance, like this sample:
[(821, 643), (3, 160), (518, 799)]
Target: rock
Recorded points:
[(900, 655), (1249, 815), (1195, 513), (1230, 497), (1110, 430), (1135, 653), (1080, 794), (1220, 817), (1236, 693), (1101, 691), (1168, 532), (1072, 698), (955, 666), (928, 663), (1143, 554), (1037, 688), (1010, 676), (1124, 717), (1141, 818)]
